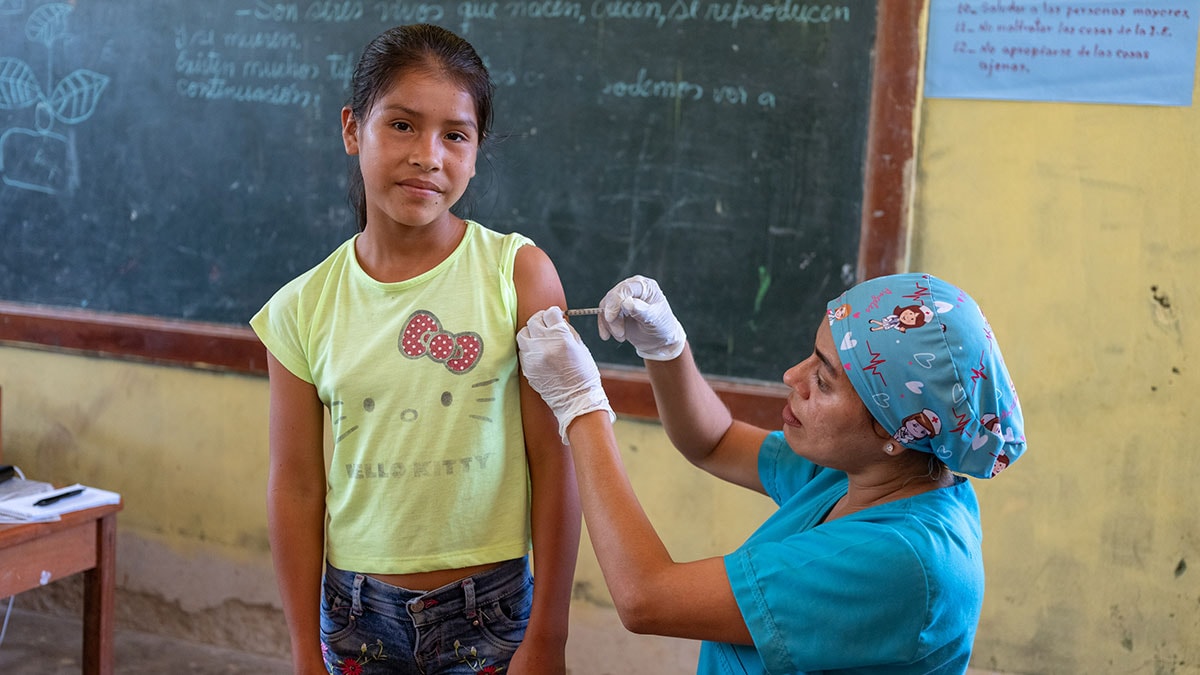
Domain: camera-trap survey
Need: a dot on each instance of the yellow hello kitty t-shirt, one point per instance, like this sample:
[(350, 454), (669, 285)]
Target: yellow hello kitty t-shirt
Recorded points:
[(428, 468)]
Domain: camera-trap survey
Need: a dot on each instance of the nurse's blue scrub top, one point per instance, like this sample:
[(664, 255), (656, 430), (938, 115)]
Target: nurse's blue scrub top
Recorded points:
[(895, 588)]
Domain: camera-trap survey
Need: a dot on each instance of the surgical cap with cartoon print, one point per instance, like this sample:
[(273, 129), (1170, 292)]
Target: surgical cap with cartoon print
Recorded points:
[(922, 356)]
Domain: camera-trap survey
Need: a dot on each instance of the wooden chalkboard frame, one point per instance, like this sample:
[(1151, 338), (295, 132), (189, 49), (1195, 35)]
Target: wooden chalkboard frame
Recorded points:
[(882, 250)]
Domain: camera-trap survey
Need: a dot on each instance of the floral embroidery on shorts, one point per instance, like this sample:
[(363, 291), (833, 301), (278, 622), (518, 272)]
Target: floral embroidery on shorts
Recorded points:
[(354, 665), (471, 658)]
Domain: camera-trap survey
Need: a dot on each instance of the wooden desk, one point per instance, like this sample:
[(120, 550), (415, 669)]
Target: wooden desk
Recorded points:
[(34, 554)]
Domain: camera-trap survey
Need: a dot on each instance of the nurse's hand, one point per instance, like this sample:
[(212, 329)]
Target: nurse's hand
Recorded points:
[(636, 311), (560, 368)]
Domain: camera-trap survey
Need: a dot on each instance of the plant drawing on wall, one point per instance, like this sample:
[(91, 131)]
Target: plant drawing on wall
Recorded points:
[(40, 158)]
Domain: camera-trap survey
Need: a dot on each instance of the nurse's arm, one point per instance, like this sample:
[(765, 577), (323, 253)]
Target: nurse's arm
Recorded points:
[(653, 594)]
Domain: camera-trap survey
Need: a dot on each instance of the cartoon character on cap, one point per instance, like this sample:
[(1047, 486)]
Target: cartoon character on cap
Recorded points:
[(991, 422), (903, 318), (1001, 463), (917, 426)]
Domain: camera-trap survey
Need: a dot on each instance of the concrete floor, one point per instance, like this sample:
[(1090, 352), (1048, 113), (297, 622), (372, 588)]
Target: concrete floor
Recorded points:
[(43, 644), (40, 644)]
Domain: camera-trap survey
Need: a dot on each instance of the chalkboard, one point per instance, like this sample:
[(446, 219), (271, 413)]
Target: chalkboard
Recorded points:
[(182, 160)]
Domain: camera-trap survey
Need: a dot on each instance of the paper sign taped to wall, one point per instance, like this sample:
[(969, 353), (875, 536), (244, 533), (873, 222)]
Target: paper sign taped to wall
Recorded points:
[(1087, 51)]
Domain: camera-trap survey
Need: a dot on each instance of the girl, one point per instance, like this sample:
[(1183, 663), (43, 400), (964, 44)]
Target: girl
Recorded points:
[(445, 465)]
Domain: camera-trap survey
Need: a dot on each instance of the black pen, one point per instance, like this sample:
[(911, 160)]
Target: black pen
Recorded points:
[(60, 496)]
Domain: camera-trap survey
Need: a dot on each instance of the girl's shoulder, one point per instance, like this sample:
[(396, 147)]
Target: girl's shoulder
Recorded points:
[(481, 232), (492, 249), (318, 274)]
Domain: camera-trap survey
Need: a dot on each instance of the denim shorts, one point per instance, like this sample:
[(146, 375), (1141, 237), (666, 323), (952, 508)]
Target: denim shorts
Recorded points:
[(473, 625)]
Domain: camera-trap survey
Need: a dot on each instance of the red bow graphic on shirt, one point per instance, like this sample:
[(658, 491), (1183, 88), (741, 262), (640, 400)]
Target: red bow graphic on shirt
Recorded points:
[(423, 335)]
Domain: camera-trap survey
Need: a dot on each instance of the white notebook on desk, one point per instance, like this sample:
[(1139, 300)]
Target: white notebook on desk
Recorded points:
[(51, 504)]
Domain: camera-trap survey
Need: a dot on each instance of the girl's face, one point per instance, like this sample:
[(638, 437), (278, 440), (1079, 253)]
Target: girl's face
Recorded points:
[(824, 419), (416, 149)]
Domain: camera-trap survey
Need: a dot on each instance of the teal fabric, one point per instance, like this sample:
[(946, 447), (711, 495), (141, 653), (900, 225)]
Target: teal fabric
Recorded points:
[(893, 589), (924, 359)]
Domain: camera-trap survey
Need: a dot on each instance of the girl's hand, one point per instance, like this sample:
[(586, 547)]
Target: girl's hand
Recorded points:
[(560, 368), (312, 667), (636, 310), (530, 659)]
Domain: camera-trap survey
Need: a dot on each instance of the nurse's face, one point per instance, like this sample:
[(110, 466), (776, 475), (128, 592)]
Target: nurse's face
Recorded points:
[(824, 419)]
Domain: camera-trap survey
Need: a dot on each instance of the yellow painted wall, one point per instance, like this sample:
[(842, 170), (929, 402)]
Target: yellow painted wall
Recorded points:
[(1075, 226)]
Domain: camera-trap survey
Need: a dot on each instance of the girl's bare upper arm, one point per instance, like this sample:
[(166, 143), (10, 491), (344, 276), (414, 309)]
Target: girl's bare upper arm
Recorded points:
[(537, 282), (538, 287), (296, 429)]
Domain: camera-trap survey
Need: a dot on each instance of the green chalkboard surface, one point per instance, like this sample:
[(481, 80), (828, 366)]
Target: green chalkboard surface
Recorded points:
[(182, 160)]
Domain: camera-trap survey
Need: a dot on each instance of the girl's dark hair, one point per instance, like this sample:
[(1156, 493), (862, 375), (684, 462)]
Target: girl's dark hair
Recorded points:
[(415, 47)]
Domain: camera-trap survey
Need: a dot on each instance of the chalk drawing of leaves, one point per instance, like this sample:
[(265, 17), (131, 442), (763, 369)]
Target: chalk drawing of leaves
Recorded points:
[(74, 98), (48, 23), (18, 85)]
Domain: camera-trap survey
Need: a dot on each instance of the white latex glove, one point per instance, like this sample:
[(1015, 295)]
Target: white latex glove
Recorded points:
[(636, 310), (560, 368)]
